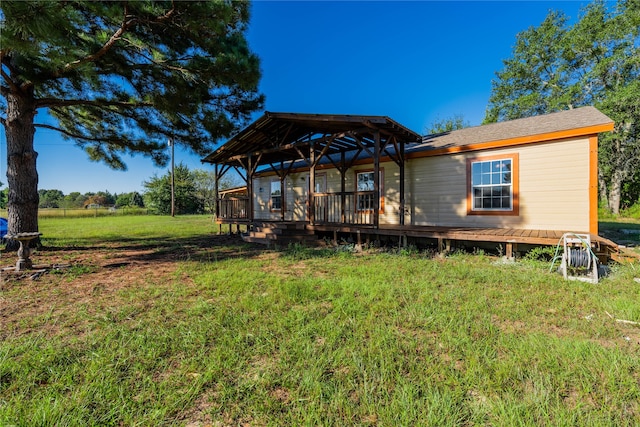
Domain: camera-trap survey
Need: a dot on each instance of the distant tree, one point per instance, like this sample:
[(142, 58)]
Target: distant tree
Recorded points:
[(50, 198), (595, 61), (631, 191), (120, 78), (205, 182), (72, 200), (96, 200), (158, 194), (136, 200), (108, 198), (452, 123), (3, 197), (123, 200), (130, 199)]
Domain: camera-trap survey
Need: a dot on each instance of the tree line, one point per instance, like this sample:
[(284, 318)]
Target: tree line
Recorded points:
[(560, 65), (194, 193)]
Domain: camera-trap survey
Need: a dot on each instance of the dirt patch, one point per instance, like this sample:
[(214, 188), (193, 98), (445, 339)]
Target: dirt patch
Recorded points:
[(94, 279)]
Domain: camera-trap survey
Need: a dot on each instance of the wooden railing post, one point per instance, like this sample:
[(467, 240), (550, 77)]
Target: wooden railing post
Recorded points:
[(402, 199), (312, 184), (376, 179)]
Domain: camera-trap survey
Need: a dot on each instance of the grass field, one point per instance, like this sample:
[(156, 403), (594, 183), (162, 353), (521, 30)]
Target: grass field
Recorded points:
[(158, 321)]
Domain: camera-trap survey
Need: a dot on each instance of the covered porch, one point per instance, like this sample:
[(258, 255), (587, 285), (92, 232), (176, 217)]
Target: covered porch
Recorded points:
[(280, 144), (285, 158)]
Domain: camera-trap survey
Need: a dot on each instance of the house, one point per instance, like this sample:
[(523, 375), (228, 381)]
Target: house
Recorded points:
[(524, 181)]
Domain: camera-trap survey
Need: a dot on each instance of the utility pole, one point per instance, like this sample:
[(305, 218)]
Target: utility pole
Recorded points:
[(173, 179)]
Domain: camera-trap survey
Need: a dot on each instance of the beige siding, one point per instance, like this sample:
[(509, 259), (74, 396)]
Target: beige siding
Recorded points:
[(553, 178), (554, 188)]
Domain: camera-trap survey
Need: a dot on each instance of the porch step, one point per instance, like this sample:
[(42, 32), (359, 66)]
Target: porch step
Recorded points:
[(282, 233), (288, 225)]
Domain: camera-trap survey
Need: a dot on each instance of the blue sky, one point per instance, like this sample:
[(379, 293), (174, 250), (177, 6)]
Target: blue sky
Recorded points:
[(415, 62)]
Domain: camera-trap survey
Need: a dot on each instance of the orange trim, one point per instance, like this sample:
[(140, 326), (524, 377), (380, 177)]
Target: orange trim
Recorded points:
[(593, 185), (590, 131), (381, 189), (515, 185), (531, 139)]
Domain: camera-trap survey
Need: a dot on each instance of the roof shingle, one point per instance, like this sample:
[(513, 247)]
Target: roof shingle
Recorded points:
[(578, 118)]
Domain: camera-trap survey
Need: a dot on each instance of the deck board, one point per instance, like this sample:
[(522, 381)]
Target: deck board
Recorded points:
[(470, 234)]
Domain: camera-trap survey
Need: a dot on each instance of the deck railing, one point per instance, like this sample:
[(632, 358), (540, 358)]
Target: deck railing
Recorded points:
[(233, 208), (358, 208)]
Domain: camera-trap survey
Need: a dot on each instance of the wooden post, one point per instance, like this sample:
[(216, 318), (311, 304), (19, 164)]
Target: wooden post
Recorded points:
[(312, 183), (250, 187), (343, 196), (216, 191), (511, 249), (376, 179), (283, 196), (402, 200), (444, 245)]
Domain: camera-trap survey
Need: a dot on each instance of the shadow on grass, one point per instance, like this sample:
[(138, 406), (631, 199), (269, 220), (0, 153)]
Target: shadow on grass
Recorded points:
[(624, 232), (122, 251)]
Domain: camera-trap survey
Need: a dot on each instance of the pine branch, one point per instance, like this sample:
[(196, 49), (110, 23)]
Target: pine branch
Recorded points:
[(101, 52), (13, 87), (54, 102), (126, 24), (69, 134)]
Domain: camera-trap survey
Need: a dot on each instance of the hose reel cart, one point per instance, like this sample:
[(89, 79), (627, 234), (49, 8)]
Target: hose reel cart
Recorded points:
[(578, 260)]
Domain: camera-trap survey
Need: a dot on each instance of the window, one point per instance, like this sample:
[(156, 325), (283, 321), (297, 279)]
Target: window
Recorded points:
[(276, 196), (493, 186), (365, 190)]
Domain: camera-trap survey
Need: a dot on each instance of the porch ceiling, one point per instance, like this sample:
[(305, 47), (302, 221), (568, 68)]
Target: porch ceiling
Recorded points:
[(281, 137)]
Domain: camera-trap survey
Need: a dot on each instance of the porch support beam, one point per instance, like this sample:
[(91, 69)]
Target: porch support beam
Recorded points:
[(216, 189), (219, 171), (250, 170), (312, 183), (358, 141), (402, 189), (376, 180), (290, 146), (343, 196), (283, 197), (325, 149)]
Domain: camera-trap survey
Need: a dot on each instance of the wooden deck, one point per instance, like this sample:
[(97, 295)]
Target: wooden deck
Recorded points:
[(445, 237), (507, 236)]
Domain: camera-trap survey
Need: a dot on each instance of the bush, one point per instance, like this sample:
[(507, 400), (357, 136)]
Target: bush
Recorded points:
[(632, 211)]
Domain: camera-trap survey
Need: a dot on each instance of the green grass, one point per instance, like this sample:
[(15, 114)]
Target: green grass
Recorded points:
[(238, 336)]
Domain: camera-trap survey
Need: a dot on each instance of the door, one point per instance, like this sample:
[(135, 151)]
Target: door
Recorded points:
[(301, 196)]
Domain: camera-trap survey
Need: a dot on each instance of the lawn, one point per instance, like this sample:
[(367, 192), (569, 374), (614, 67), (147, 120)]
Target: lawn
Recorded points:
[(158, 321)]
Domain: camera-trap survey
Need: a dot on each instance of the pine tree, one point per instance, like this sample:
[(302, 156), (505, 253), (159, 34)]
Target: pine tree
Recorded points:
[(120, 78)]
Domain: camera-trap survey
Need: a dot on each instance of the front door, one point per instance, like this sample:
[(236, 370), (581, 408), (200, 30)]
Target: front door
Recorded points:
[(301, 196)]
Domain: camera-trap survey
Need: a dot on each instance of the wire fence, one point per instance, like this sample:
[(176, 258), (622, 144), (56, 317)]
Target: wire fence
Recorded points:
[(85, 212)]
